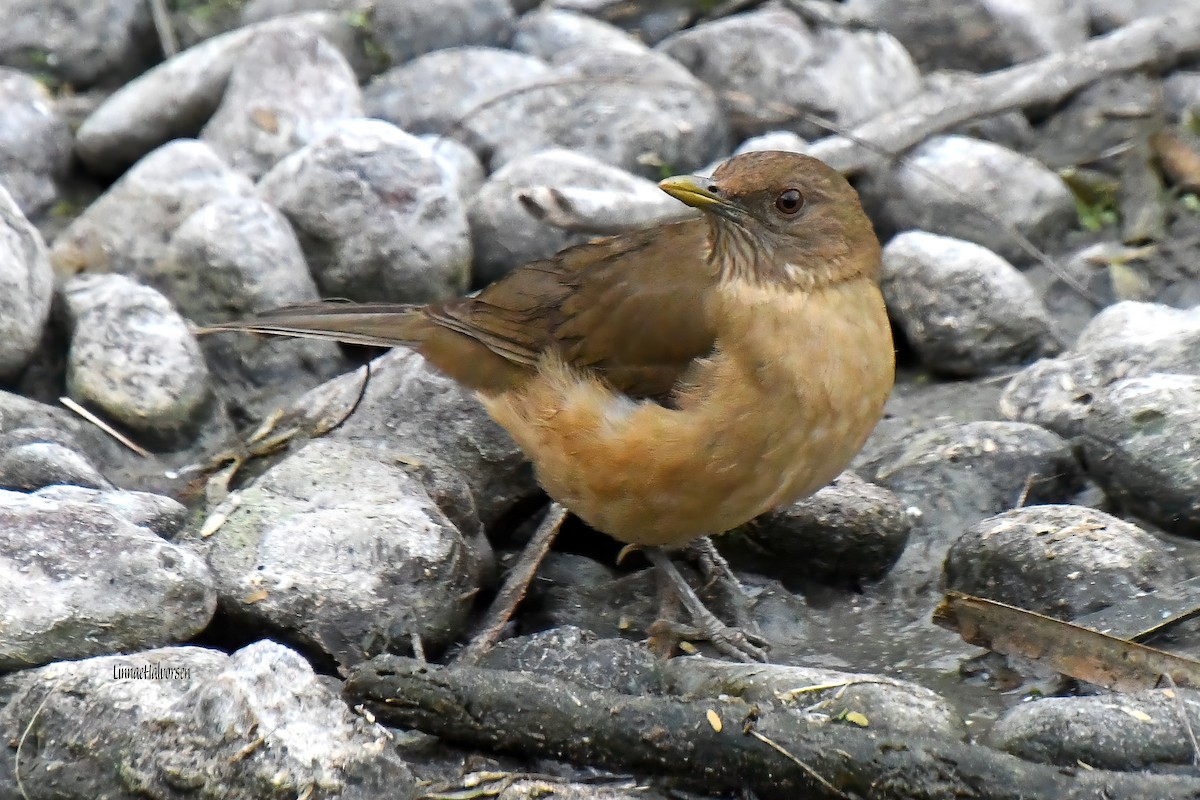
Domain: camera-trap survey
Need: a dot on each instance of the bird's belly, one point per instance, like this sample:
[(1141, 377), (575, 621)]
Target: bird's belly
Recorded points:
[(764, 427)]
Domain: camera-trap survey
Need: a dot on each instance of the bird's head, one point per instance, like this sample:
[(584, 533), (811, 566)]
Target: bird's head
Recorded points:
[(782, 218)]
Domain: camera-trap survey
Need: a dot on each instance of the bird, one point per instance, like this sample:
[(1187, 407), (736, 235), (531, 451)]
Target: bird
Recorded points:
[(676, 381)]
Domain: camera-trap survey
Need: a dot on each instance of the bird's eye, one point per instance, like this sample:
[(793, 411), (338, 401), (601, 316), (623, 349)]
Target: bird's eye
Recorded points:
[(789, 202)]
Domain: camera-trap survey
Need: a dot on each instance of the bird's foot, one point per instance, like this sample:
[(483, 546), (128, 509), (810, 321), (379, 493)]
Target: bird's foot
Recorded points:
[(716, 572), (733, 642), (740, 643)]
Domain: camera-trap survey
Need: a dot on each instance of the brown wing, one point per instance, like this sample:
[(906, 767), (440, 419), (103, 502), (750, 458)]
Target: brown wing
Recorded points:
[(629, 307)]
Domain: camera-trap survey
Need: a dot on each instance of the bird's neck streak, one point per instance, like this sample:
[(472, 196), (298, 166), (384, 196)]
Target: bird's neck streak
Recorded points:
[(741, 257)]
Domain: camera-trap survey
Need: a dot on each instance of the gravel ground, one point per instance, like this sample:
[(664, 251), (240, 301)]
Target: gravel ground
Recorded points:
[(177, 618)]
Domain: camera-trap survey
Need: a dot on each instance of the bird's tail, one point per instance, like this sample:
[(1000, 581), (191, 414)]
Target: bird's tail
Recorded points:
[(382, 324)]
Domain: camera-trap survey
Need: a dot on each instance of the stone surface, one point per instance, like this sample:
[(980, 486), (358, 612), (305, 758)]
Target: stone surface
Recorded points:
[(181, 721), (961, 307), (232, 258), (848, 532), (160, 514), (26, 287), (955, 475), (80, 42), (1123, 341), (459, 165), (30, 465), (505, 232), (81, 580), (573, 654), (404, 30), (127, 228), (285, 89), (413, 415), (1060, 560), (1139, 444), (133, 358), (820, 696), (944, 185), (771, 69), (344, 552), (555, 34), (595, 101), (35, 143), (1127, 731), (375, 217), (977, 35), (438, 92), (176, 98)]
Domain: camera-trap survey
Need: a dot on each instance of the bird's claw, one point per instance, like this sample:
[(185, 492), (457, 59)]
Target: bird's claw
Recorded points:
[(735, 643)]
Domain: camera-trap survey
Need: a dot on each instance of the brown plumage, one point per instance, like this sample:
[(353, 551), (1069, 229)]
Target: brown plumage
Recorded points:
[(679, 380)]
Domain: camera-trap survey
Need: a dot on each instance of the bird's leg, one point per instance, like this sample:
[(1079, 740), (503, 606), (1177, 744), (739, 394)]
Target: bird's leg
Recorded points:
[(716, 570), (733, 642), (516, 584)]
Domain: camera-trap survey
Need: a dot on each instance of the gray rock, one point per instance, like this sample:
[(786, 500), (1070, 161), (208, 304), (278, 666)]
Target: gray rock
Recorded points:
[(26, 288), (555, 34), (773, 140), (285, 89), (1109, 14), (958, 474), (127, 229), (459, 165), (376, 218), (771, 69), (160, 514), (1181, 94), (133, 357), (413, 415), (175, 98), (186, 720), (572, 654), (944, 184), (1138, 444), (1060, 560), (1098, 122), (597, 101), (35, 142), (574, 591), (344, 552), (32, 465), (600, 103), (81, 42), (404, 30), (439, 92), (848, 532), (232, 258), (1126, 732), (1123, 341), (1110, 272), (27, 421), (505, 232), (887, 704), (82, 580), (977, 35), (649, 22), (962, 308)]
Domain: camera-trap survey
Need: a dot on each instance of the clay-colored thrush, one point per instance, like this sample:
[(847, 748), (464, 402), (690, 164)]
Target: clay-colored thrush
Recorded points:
[(679, 380)]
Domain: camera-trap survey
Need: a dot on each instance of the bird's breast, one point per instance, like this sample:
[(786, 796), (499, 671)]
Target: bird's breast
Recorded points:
[(804, 379)]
